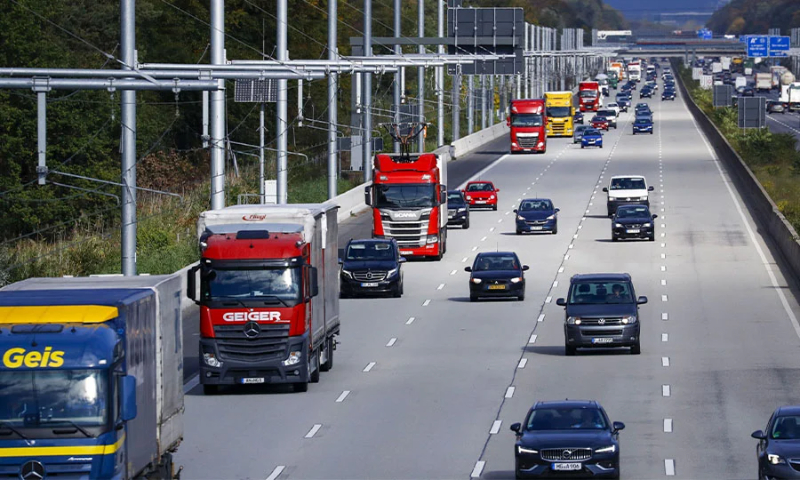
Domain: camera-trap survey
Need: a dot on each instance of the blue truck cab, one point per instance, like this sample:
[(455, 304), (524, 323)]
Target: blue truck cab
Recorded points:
[(83, 387)]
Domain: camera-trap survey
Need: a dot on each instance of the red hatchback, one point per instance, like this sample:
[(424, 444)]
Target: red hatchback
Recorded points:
[(600, 123), (481, 194)]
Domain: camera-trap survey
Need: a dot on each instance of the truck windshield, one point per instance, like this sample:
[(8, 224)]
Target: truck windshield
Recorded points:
[(588, 93), (281, 283), (405, 196), (62, 399), (526, 120), (558, 112)]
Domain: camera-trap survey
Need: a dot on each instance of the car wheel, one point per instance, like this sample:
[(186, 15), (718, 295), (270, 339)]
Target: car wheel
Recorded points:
[(618, 474), (614, 238), (555, 229), (398, 291), (466, 224), (652, 237), (636, 349), (634, 133), (300, 387), (581, 146), (473, 298), (601, 146), (651, 133), (519, 232), (521, 297), (570, 351)]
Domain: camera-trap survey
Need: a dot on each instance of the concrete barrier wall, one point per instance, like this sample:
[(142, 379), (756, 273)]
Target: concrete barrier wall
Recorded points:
[(769, 219), (477, 139)]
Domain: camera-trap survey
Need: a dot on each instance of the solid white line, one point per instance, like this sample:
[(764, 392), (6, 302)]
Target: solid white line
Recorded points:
[(669, 467), (392, 341), (426, 303), (510, 392), (410, 321), (193, 382), (541, 317), (313, 430), (665, 337), (664, 298), (665, 361), (369, 367), (667, 425), (665, 316), (663, 282), (665, 390), (277, 472), (343, 396), (476, 472), (533, 338), (453, 272), (441, 286), (522, 363), (548, 299)]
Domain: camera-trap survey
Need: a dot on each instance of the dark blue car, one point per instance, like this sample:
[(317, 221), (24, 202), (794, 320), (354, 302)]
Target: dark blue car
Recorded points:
[(570, 438), (372, 266), (592, 138), (778, 448), (496, 274), (536, 215), (578, 117), (643, 125)]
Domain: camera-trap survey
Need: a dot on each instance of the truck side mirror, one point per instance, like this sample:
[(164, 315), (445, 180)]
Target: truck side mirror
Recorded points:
[(508, 121), (128, 394), (368, 196), (443, 194), (314, 281), (191, 283)]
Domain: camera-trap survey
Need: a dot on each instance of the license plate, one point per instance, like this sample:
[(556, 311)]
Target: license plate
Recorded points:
[(480, 201), (567, 466), (602, 340), (406, 252), (633, 230), (369, 284), (253, 380), (497, 287), (536, 228)]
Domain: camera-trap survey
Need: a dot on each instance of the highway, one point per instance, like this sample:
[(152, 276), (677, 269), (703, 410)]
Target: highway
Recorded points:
[(425, 386)]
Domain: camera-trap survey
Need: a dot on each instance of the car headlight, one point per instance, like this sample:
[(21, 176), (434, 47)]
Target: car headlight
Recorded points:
[(647, 225), (617, 225), (520, 218), (775, 459), (609, 449), (392, 272), (475, 280), (462, 210), (433, 239), (521, 449), (573, 320), (629, 319), (516, 279), (468, 197), (643, 198), (347, 273), (491, 197), (552, 217)]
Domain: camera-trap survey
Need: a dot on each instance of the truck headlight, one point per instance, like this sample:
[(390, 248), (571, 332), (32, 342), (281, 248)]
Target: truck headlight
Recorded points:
[(516, 279), (573, 320), (520, 218), (292, 359), (521, 449), (432, 239), (609, 449), (475, 280), (775, 459), (629, 319), (211, 360), (541, 144)]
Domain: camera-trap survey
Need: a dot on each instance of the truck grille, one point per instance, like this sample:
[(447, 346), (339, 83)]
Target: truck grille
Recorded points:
[(269, 344), (527, 142), (369, 275), (559, 128), (559, 454), (411, 233)]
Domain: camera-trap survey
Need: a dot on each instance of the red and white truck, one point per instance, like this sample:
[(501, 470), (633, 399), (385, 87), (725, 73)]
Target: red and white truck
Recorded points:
[(408, 197), (589, 96), (528, 123), (268, 294)]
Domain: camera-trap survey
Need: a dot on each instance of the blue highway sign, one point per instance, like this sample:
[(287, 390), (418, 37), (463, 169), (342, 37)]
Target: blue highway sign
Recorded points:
[(757, 46)]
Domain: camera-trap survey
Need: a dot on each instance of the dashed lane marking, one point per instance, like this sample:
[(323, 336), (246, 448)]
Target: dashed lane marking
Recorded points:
[(276, 472), (369, 366), (541, 318), (510, 392), (665, 390), (532, 339), (495, 427), (669, 467), (665, 361), (313, 430), (392, 341), (665, 337), (410, 320), (522, 363), (343, 396), (667, 425), (426, 303)]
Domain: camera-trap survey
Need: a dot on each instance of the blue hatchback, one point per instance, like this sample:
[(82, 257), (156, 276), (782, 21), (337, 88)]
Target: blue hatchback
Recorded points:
[(643, 124), (592, 138), (536, 215)]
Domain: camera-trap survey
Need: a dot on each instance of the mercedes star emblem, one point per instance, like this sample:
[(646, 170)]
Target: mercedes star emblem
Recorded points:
[(32, 470), (251, 329), (369, 275)]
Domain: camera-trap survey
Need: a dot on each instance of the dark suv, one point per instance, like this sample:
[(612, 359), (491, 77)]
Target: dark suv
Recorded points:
[(602, 310), (570, 438), (457, 209), (633, 221), (371, 267)]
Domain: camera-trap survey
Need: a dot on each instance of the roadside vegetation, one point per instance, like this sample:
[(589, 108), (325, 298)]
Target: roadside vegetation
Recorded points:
[(772, 157)]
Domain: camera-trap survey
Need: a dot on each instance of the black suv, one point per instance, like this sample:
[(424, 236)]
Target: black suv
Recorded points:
[(457, 209), (633, 221), (570, 437), (371, 267), (601, 311)]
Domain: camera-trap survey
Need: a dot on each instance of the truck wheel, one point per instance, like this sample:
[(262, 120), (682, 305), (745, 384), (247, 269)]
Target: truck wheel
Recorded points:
[(314, 377), (210, 389), (329, 352)]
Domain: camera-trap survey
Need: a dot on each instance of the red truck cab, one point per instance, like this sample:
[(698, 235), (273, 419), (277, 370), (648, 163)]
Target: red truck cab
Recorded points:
[(481, 194), (528, 122), (589, 96)]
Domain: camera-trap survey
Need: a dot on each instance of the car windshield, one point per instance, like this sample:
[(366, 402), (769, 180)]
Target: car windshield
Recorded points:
[(370, 251), (558, 112), (606, 113), (588, 93), (568, 418), (480, 187), (495, 262), (599, 293), (580, 129), (282, 283), (535, 205), (633, 212), (612, 105), (786, 427), (455, 199), (599, 119), (526, 120), (627, 184), (642, 121), (54, 399), (590, 131), (405, 196)]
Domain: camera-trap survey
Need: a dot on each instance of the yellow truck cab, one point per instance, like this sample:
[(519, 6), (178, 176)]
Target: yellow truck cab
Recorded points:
[(560, 112)]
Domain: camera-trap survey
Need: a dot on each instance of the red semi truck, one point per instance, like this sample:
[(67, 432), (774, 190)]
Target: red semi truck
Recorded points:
[(528, 122), (269, 294), (408, 197), (589, 96)]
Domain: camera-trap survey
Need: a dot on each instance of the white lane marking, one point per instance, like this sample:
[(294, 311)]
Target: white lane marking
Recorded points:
[(453, 272), (410, 320), (510, 392), (664, 298), (277, 472), (369, 366), (343, 396), (580, 226), (533, 338), (571, 246), (522, 363), (541, 318), (663, 256), (484, 239), (665, 337), (665, 316), (555, 284), (495, 427), (313, 430), (474, 248), (667, 425), (663, 268), (499, 220), (392, 341), (548, 299), (663, 225), (193, 382), (575, 236), (669, 467), (566, 257), (508, 213), (663, 245), (491, 229), (426, 303), (663, 282), (484, 170), (663, 235), (441, 286), (665, 390), (587, 211), (561, 270), (665, 361), (463, 260)]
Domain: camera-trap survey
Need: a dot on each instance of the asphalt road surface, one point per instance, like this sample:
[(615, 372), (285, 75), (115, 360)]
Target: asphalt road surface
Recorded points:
[(425, 386)]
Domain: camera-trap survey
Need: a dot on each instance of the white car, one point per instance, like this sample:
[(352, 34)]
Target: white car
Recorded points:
[(611, 115), (627, 190), (613, 106)]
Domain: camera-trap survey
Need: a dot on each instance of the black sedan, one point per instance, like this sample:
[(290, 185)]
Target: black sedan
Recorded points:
[(570, 437), (748, 92), (633, 221), (371, 267), (668, 95), (536, 215), (496, 274), (457, 209), (578, 117), (778, 447), (646, 93)]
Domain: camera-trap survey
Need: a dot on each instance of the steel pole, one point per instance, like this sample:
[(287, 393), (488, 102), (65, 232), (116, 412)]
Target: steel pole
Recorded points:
[(456, 105), (397, 81), (41, 134), (128, 158), (204, 137), (421, 72), (440, 79), (470, 104), (333, 105), (281, 118), (261, 194), (367, 95), (217, 138), (483, 102)]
